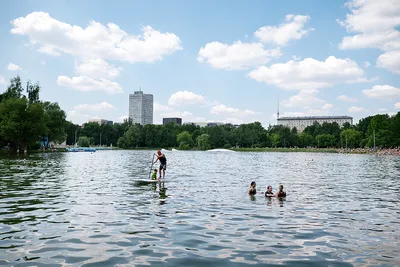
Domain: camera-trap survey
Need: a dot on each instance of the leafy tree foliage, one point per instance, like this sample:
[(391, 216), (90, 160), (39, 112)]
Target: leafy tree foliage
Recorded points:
[(24, 120)]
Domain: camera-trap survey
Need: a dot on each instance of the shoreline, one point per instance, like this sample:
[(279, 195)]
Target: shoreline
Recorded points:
[(368, 151)]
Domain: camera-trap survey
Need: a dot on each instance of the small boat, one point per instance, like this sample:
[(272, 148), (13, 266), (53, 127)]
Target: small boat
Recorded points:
[(80, 149)]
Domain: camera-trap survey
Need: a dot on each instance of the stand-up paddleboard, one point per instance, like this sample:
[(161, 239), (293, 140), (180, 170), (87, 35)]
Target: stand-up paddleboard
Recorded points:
[(148, 181)]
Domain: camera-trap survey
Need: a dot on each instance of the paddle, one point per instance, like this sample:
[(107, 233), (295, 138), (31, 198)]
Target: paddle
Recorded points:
[(151, 167)]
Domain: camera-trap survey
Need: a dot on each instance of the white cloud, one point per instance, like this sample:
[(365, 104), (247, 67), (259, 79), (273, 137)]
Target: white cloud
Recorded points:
[(161, 108), (13, 67), (383, 109), (390, 61), (46, 49), (305, 98), (122, 118), (354, 109), (2, 80), (397, 105), (346, 98), (97, 68), (87, 84), (78, 118), (382, 91), (94, 107), (374, 23), (236, 56), (327, 106), (186, 98), (293, 29), (367, 64), (221, 109), (96, 40), (233, 121), (310, 73)]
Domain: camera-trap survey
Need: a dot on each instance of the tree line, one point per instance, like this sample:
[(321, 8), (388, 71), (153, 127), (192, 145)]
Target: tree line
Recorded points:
[(26, 122)]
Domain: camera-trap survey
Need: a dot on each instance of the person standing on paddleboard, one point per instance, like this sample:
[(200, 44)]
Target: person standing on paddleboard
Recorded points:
[(163, 163)]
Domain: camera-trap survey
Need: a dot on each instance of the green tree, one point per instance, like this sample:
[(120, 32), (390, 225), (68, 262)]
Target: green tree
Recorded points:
[(305, 140), (20, 123), (84, 141), (185, 140), (325, 140), (55, 120), (33, 92), (203, 141), (350, 137)]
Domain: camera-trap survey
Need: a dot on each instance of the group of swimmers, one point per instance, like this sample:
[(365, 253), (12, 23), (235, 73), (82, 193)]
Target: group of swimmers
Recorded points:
[(252, 191)]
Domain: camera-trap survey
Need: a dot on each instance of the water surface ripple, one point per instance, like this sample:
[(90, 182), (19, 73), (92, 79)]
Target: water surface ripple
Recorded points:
[(85, 209)]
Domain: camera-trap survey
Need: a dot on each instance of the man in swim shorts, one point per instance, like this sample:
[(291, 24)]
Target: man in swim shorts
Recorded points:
[(163, 164)]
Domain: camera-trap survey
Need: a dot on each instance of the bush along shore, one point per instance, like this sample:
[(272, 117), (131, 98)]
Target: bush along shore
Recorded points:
[(27, 123)]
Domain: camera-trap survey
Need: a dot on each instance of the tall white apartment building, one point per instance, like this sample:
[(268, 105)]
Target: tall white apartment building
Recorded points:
[(141, 108)]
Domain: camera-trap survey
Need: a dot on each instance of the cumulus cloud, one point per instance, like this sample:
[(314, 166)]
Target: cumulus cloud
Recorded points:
[(78, 117), (390, 61), (186, 98), (355, 109), (104, 106), (97, 68), (346, 98), (236, 56), (13, 67), (310, 73), (2, 80), (221, 109), (281, 35), (162, 108), (87, 84), (382, 91), (96, 40), (239, 55), (397, 105), (375, 24), (121, 118), (305, 98)]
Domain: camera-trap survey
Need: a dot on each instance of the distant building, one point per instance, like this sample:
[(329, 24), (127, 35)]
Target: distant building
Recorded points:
[(141, 108), (302, 122), (211, 124), (177, 121), (102, 121), (204, 124)]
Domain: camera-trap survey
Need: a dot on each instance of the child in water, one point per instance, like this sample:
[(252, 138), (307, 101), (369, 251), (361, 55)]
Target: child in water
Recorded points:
[(154, 174), (280, 193), (252, 188), (269, 192)]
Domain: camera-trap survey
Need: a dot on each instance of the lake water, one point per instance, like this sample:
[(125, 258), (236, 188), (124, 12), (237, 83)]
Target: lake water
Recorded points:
[(83, 209)]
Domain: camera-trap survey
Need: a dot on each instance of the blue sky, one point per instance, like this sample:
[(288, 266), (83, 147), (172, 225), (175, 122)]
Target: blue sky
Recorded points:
[(223, 60)]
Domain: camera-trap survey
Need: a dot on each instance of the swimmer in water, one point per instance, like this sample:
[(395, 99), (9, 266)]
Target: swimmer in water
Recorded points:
[(280, 193), (252, 189), (269, 192)]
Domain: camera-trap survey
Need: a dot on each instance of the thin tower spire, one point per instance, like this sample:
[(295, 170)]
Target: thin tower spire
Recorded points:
[(277, 114)]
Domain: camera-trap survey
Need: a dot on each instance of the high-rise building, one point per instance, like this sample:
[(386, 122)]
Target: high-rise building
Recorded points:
[(141, 108), (177, 121)]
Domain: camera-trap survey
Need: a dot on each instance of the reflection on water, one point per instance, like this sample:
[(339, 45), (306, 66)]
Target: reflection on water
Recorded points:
[(83, 209)]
